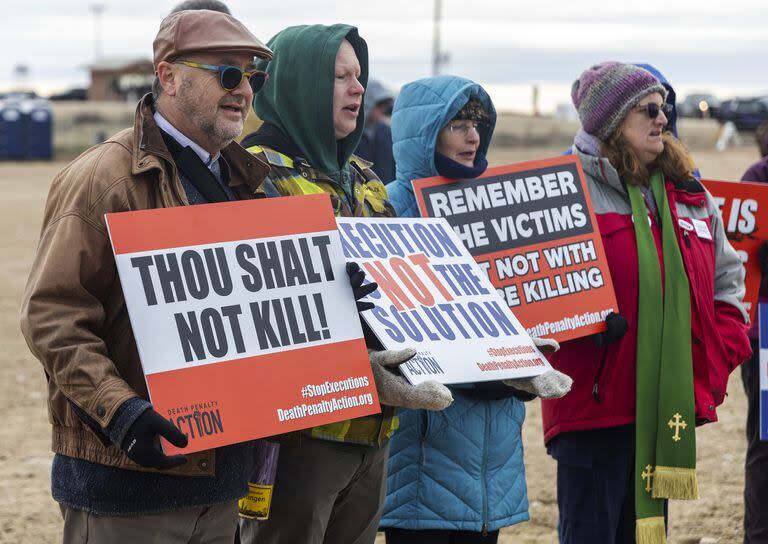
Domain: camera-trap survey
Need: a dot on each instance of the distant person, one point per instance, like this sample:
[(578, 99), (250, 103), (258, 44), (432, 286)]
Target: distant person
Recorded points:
[(756, 465), (761, 138), (376, 141), (213, 5), (455, 475), (111, 479), (624, 438)]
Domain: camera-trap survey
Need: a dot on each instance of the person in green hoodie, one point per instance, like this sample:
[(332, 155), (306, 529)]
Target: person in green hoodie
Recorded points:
[(312, 110), (330, 481)]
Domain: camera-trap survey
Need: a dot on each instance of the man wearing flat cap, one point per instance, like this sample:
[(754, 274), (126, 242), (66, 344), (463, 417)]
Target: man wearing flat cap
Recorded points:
[(111, 479)]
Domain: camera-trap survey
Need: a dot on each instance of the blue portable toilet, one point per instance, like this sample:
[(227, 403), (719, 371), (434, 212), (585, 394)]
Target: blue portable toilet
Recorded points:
[(39, 130), (12, 131)]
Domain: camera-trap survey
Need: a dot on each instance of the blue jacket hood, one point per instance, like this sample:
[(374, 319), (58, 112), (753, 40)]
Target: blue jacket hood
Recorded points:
[(422, 108)]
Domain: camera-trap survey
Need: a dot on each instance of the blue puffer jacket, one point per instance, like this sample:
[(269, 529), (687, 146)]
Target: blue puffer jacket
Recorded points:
[(461, 468)]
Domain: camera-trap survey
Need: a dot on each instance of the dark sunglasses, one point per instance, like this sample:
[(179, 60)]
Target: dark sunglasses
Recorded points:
[(653, 109), (230, 77)]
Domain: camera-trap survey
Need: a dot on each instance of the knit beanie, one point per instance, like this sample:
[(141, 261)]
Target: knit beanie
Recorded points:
[(604, 94)]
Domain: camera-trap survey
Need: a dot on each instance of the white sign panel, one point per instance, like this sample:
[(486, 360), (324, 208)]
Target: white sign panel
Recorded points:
[(434, 297)]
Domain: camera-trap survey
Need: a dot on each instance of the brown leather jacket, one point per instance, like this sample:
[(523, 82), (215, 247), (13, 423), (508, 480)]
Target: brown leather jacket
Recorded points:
[(73, 314)]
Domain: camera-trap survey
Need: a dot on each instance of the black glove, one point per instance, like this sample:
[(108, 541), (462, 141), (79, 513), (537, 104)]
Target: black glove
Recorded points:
[(356, 278), (141, 443), (616, 328)]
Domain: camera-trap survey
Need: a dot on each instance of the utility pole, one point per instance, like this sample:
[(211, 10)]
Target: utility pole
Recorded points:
[(97, 10), (20, 73), (439, 59)]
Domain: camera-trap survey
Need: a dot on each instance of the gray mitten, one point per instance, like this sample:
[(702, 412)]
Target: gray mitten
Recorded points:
[(551, 384), (394, 390)]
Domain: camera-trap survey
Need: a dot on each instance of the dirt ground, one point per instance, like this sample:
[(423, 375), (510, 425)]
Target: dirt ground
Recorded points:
[(28, 514)]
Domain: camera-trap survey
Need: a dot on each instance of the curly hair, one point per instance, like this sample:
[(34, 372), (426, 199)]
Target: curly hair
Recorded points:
[(472, 110), (674, 161)]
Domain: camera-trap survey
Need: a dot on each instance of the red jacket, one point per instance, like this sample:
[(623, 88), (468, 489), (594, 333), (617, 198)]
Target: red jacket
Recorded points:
[(603, 393)]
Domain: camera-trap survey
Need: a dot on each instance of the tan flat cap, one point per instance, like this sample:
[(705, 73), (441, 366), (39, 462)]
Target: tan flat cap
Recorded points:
[(193, 31)]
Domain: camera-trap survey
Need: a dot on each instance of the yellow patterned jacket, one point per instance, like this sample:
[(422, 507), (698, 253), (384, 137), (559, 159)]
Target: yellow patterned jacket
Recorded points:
[(293, 176)]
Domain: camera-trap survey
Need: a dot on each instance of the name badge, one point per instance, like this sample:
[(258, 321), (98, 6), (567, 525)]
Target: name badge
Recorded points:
[(702, 230), (685, 224)]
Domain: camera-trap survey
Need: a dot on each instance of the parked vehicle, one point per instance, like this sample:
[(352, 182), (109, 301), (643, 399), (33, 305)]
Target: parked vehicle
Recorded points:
[(745, 113), (699, 105)]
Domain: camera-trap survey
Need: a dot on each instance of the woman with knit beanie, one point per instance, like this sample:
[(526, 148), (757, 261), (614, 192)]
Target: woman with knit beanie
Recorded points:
[(624, 438), (455, 476)]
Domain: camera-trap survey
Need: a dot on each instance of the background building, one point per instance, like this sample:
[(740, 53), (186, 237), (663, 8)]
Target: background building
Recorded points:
[(122, 80)]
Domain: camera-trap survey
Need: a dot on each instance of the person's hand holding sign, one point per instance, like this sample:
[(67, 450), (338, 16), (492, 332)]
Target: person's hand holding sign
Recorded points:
[(551, 384), (356, 279), (360, 290), (616, 328), (141, 443), (394, 390)]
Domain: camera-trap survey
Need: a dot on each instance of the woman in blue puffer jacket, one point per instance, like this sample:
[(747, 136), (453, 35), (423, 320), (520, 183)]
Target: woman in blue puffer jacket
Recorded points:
[(455, 475)]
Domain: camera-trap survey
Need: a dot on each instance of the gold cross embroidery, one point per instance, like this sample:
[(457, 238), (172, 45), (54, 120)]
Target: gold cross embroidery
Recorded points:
[(646, 475), (677, 424)]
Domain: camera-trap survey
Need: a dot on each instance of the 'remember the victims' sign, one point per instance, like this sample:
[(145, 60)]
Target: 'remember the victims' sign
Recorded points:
[(433, 297), (531, 227), (244, 318), (744, 207)]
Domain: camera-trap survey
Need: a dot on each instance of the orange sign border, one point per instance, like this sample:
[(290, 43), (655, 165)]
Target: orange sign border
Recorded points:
[(578, 303), (242, 395), (751, 246)]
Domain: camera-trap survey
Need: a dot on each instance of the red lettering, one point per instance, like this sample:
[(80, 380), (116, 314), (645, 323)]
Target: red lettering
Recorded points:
[(379, 273), (412, 281), (421, 260)]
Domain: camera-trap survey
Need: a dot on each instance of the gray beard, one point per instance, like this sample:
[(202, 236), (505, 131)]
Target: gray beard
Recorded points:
[(205, 120)]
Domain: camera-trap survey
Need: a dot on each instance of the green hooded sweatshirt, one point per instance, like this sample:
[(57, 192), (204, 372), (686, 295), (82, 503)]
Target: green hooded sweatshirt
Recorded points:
[(299, 96)]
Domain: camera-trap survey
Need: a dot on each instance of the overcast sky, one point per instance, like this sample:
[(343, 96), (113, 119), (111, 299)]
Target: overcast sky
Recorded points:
[(716, 45)]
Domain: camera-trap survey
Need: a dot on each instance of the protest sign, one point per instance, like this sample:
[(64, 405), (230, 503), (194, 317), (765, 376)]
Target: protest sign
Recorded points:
[(432, 296), (531, 227), (763, 365), (244, 318), (744, 207)]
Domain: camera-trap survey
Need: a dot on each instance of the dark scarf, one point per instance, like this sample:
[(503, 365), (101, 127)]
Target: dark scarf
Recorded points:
[(448, 168), (194, 170), (272, 137)]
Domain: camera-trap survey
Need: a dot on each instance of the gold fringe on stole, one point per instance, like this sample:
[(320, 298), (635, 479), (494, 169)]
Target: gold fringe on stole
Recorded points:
[(675, 483), (650, 531)]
